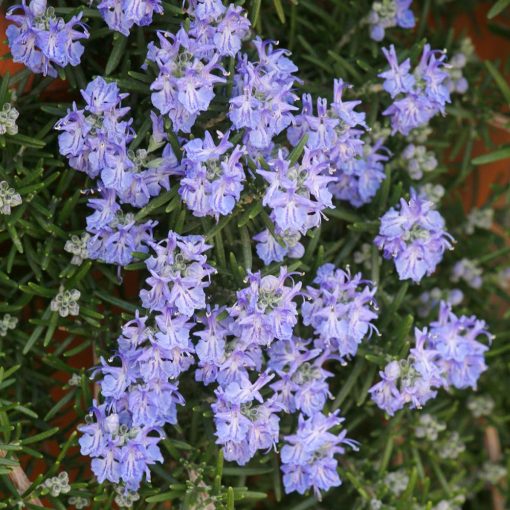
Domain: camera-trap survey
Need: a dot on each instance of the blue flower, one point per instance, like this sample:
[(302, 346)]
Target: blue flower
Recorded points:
[(414, 236), (334, 135), (270, 250), (265, 310), (340, 310), (263, 100), (418, 96), (455, 339), (387, 14), (308, 458), (185, 83), (297, 194), (41, 41), (177, 276), (121, 15), (213, 180), (243, 426)]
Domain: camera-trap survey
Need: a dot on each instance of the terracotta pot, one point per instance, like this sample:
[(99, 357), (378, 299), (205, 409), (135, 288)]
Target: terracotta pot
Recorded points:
[(489, 46)]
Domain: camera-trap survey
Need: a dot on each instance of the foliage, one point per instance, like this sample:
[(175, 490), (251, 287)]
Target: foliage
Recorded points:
[(45, 384)]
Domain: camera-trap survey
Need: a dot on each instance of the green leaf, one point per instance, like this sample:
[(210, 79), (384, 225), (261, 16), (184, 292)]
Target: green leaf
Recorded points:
[(40, 437), (500, 80), (498, 8), (104, 296), (255, 11), (298, 150), (279, 10), (492, 156), (165, 496), (156, 203), (119, 45)]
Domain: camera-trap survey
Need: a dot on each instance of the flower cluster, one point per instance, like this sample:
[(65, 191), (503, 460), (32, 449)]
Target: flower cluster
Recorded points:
[(340, 310), (447, 354), (308, 460), (263, 370), (456, 80), (7, 322), (139, 383), (95, 141), (8, 117), (469, 272), (41, 40), (358, 180), (269, 249), (387, 14), (121, 15), (77, 246), (479, 218), (213, 176), (418, 160), (262, 98), (418, 96), (9, 198), (66, 302), (57, 485), (297, 194), (414, 236), (217, 27), (334, 133), (185, 83)]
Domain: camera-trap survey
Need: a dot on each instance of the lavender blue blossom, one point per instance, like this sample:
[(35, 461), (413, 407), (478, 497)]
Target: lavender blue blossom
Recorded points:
[(414, 236), (121, 15), (469, 272), (419, 96), (245, 422), (262, 100), (358, 180), (410, 381), (218, 27), (119, 451), (95, 140), (302, 383), (185, 83), (265, 310), (115, 240), (213, 176), (461, 354), (335, 133), (140, 382), (179, 275), (212, 344), (387, 14), (270, 249), (297, 193), (447, 354), (308, 458), (41, 40), (340, 308)]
